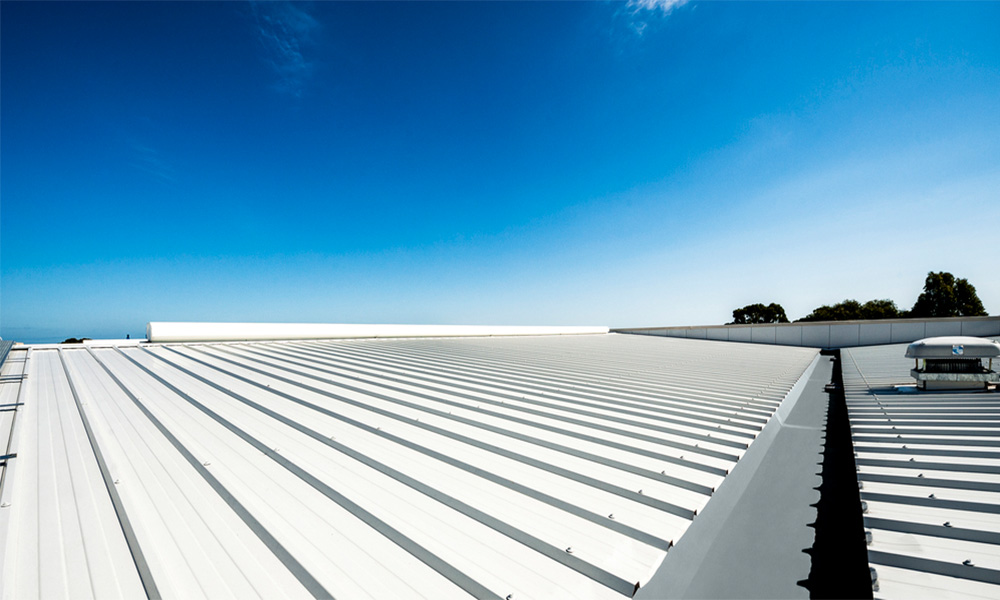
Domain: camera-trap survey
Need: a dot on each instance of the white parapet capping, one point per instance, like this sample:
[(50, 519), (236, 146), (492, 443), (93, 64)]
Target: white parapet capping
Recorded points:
[(238, 332), (833, 334)]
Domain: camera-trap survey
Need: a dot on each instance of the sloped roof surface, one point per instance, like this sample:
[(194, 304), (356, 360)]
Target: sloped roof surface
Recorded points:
[(929, 464), (553, 466)]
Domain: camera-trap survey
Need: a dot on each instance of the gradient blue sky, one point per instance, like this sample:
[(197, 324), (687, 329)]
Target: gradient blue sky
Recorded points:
[(489, 163)]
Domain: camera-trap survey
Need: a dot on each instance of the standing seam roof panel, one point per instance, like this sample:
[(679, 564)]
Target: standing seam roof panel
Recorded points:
[(403, 468), (929, 470)]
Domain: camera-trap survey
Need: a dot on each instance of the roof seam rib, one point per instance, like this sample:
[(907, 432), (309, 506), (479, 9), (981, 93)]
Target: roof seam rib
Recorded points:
[(315, 588), (141, 564)]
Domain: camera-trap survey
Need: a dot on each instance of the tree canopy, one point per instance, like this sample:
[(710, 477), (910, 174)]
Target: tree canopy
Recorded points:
[(758, 313), (946, 296), (852, 310)]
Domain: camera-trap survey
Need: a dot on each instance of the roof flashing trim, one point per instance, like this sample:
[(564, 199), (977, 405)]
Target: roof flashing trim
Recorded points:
[(158, 331)]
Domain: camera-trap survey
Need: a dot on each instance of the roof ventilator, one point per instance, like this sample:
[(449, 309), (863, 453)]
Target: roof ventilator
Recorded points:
[(953, 363)]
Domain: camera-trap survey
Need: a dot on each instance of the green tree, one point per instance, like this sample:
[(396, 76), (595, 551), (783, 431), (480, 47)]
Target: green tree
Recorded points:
[(946, 296), (852, 310), (879, 309), (848, 310), (758, 313)]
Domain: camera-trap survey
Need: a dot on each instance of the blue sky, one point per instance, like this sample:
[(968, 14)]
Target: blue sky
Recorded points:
[(621, 164)]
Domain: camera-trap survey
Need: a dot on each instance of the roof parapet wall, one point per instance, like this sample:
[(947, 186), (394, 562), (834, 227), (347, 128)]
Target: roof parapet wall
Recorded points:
[(241, 332), (833, 334)]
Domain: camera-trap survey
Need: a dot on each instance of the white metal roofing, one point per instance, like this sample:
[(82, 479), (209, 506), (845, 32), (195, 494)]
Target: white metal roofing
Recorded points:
[(545, 467), (929, 464)]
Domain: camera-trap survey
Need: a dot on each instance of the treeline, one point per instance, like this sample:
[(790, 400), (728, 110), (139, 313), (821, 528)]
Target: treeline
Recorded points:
[(943, 296)]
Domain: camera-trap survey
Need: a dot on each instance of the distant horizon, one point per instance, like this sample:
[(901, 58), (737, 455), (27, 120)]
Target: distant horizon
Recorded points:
[(558, 163), (108, 335)]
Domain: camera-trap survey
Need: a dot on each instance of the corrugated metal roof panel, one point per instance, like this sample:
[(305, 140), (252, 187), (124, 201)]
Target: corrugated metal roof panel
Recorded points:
[(548, 466), (929, 467)]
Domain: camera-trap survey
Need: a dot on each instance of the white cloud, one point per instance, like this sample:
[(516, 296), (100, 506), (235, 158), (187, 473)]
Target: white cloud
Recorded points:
[(639, 12), (664, 6), (147, 159), (286, 32)]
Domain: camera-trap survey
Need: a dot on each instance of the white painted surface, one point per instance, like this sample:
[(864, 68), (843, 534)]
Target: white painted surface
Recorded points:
[(552, 435), (956, 346), (833, 334), (933, 447), (238, 332)]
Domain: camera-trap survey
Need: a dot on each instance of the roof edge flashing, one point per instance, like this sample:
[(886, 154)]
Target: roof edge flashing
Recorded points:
[(158, 331), (689, 569)]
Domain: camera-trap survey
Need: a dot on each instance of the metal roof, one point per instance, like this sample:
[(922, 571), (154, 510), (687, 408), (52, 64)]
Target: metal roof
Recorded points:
[(929, 467), (550, 466)]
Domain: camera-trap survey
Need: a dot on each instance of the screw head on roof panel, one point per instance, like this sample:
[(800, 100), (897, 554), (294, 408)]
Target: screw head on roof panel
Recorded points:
[(5, 505), (874, 578), (932, 496), (868, 537), (864, 507), (947, 523), (569, 550), (612, 516), (968, 563)]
